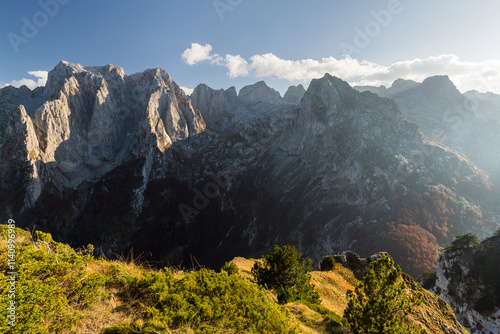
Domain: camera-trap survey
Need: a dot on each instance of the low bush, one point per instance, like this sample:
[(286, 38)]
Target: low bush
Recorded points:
[(284, 270), (206, 302)]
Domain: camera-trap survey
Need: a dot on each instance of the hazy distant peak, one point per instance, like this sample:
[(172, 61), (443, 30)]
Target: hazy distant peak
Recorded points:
[(402, 84), (439, 80)]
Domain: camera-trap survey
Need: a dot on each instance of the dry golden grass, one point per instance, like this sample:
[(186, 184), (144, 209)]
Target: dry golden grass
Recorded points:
[(244, 266), (434, 314), (111, 310), (309, 322), (332, 287)]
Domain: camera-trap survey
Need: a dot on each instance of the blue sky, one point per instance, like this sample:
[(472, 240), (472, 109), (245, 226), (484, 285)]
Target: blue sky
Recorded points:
[(238, 42)]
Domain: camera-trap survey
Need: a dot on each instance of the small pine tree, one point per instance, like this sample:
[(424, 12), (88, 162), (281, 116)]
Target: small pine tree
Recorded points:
[(285, 270), (379, 304), (230, 268)]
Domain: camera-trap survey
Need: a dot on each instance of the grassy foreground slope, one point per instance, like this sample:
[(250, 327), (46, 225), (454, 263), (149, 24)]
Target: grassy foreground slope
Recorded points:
[(61, 290)]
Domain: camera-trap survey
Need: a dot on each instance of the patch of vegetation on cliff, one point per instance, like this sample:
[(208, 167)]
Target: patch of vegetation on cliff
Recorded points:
[(420, 223), (477, 263), (486, 266)]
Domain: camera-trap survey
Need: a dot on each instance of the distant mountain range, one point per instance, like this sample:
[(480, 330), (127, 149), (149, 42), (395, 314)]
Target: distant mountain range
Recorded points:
[(130, 161), (468, 123)]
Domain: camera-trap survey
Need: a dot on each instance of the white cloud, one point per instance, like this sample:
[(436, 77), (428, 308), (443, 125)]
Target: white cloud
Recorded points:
[(188, 91), (30, 83), (198, 53), (480, 75), (237, 66)]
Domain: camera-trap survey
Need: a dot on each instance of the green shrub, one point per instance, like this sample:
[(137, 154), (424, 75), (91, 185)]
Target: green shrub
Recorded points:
[(428, 279), (205, 301), (486, 302), (284, 270), (327, 263), (230, 268)]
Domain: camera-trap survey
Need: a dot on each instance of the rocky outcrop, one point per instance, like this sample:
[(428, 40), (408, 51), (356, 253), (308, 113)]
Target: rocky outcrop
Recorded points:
[(467, 278), (30, 99), (20, 156), (256, 112), (352, 261)]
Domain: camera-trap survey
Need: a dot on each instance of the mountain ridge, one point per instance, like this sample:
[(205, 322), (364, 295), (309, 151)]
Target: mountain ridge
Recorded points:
[(118, 156)]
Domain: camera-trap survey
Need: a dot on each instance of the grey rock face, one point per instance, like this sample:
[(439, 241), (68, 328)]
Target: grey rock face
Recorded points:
[(349, 139), (20, 153), (258, 110), (216, 104), (459, 287), (93, 118)]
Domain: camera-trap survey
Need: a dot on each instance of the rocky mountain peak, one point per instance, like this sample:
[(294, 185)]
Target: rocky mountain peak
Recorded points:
[(58, 75), (441, 85), (258, 92), (321, 95), (158, 77), (214, 104), (331, 106), (294, 94), (30, 99), (400, 85), (328, 96)]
